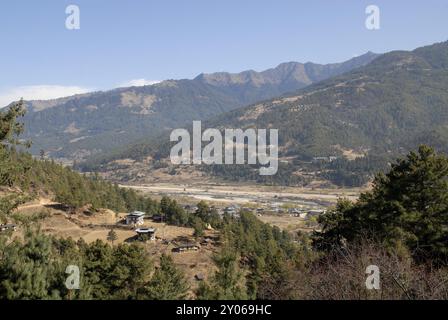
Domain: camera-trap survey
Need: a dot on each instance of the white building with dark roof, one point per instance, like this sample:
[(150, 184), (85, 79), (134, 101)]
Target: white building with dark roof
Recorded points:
[(6, 227), (144, 234), (135, 218)]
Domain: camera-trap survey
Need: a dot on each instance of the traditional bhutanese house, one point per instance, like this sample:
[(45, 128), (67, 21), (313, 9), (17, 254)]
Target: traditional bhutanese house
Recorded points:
[(135, 218), (6, 227), (145, 234), (186, 247)]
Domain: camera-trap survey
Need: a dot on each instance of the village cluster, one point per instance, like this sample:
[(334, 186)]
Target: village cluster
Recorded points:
[(137, 219), (151, 228)]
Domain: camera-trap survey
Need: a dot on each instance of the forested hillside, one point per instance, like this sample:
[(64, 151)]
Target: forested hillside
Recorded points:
[(365, 118), (80, 126), (23, 177), (394, 103)]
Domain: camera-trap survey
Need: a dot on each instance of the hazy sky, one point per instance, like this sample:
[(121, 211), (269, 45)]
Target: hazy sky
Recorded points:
[(138, 41)]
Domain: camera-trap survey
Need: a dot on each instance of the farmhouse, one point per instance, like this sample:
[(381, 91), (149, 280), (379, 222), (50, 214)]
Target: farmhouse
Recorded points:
[(186, 247), (6, 227), (135, 218), (144, 234)]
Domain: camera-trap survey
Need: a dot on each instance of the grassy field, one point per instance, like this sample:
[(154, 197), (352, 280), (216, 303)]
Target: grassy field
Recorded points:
[(287, 222)]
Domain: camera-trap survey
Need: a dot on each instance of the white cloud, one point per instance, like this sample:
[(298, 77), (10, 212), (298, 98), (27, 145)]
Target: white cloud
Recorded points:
[(138, 83), (46, 92), (38, 92)]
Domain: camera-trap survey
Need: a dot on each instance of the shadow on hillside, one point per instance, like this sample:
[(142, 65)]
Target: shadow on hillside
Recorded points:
[(182, 239), (132, 239), (58, 206)]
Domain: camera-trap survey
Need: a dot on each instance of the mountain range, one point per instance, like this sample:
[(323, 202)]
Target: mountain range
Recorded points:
[(362, 118), (397, 101), (80, 126)]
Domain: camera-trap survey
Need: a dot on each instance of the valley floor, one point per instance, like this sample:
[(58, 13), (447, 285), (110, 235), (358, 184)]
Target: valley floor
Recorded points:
[(252, 195), (271, 205)]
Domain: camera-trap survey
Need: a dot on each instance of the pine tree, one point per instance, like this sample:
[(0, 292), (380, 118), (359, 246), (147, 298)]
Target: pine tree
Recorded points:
[(131, 267), (167, 283), (112, 236), (10, 129), (198, 227), (408, 205), (29, 270), (228, 282)]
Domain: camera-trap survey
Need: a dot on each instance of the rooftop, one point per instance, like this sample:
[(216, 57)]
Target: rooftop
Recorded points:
[(10, 225), (136, 214), (145, 230), (187, 245)]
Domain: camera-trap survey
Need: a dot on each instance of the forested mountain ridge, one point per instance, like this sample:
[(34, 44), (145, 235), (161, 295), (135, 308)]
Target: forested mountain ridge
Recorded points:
[(250, 86), (384, 109), (79, 126), (365, 117), (397, 101), (23, 177)]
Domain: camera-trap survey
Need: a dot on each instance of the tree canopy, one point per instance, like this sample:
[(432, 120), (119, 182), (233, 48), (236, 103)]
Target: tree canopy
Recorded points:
[(408, 205)]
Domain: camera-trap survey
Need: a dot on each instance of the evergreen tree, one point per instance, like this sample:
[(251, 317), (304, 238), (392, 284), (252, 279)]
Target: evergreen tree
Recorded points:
[(112, 236), (10, 129), (131, 267), (198, 227), (167, 283), (227, 282), (408, 205)]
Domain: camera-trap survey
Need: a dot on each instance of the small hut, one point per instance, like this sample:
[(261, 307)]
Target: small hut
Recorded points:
[(186, 247), (7, 227), (135, 218), (145, 234)]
